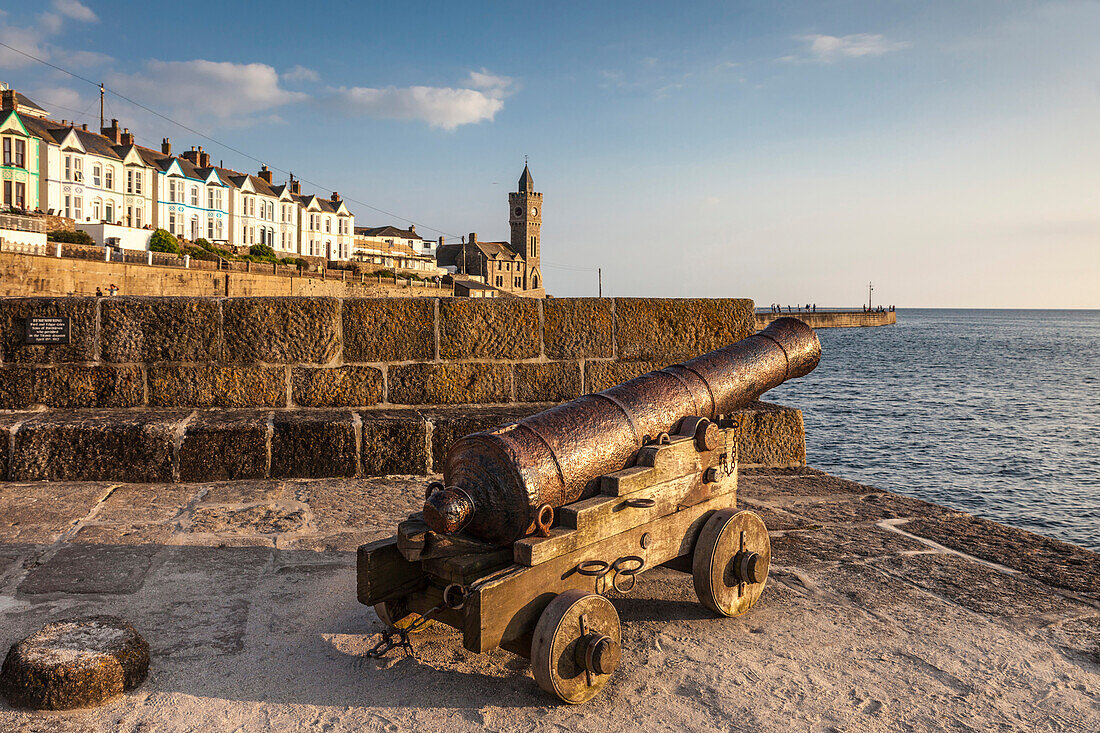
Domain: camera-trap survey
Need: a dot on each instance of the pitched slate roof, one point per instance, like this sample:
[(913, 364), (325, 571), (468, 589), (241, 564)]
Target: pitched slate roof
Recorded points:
[(497, 250), (387, 231)]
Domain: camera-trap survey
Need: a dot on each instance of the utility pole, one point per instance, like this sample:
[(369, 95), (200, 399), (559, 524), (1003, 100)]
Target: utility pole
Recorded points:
[(869, 289), (101, 105), (463, 254), (599, 277)]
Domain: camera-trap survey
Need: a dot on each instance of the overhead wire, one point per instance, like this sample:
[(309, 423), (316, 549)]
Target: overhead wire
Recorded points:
[(217, 142)]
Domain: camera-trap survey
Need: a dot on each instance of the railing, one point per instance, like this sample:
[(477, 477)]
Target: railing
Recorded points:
[(22, 248), (71, 250), (20, 223)]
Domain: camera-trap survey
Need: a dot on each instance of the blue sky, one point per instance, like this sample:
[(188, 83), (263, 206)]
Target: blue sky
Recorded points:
[(783, 151)]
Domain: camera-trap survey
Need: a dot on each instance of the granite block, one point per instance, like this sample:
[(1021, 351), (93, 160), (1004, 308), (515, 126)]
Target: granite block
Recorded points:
[(558, 381), (160, 329), (82, 315), (224, 446), (770, 435), (678, 329), (346, 386), (389, 329), (488, 328), (578, 328), (96, 446), (394, 442), (205, 385), (279, 330), (313, 444), (601, 375), (449, 384)]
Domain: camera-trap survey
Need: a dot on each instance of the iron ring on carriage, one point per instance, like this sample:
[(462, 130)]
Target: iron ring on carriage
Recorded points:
[(593, 568), (630, 572)]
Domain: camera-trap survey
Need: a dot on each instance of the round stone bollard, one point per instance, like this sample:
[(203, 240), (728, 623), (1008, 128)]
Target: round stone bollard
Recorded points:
[(74, 664)]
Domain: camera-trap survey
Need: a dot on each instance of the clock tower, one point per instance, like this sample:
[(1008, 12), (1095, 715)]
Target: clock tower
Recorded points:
[(525, 218)]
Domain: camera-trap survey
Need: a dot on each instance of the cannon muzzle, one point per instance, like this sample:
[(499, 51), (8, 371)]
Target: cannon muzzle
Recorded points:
[(499, 482)]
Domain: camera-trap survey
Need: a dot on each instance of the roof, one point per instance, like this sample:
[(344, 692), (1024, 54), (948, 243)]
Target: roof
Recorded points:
[(497, 250), (526, 183), (387, 231), (21, 100)]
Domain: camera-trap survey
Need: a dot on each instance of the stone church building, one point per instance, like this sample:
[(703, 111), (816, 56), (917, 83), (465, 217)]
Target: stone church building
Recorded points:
[(513, 266)]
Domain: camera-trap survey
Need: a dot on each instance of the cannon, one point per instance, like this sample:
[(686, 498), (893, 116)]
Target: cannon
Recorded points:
[(536, 520)]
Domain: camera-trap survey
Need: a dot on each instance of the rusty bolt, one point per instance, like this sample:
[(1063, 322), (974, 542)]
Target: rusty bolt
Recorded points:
[(710, 475), (645, 541)]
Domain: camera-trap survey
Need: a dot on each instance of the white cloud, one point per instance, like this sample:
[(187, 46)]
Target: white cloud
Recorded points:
[(301, 73), (493, 84), (856, 45), (445, 107), (25, 39), (62, 102), (220, 91), (76, 10)]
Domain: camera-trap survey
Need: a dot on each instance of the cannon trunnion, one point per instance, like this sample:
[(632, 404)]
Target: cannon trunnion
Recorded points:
[(669, 500)]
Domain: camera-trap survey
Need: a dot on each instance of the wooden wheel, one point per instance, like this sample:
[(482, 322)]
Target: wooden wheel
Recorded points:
[(576, 645), (730, 563), (394, 615)]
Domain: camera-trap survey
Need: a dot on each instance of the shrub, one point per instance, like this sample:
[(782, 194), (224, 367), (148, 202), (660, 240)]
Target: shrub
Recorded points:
[(200, 253), (294, 262), (163, 241), (70, 236), (204, 243)]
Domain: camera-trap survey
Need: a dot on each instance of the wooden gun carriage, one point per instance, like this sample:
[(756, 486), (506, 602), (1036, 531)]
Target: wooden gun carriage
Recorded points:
[(519, 544)]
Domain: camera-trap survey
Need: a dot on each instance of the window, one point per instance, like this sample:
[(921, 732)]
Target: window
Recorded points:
[(7, 151), (8, 201), (129, 216), (220, 235), (20, 153), (518, 282), (109, 178), (195, 226), (78, 212), (328, 225), (129, 181), (500, 281), (209, 228), (68, 207), (97, 205), (109, 212), (194, 195), (96, 175), (172, 221), (74, 169), (138, 215), (20, 195), (210, 198)]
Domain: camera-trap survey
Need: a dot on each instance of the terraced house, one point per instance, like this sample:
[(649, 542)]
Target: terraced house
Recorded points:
[(119, 191), (19, 167)]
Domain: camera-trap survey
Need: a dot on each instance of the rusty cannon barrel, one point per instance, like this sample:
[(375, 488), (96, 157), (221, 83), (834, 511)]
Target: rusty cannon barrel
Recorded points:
[(497, 482)]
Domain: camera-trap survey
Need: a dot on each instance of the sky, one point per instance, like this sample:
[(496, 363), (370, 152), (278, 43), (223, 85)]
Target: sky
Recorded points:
[(789, 152)]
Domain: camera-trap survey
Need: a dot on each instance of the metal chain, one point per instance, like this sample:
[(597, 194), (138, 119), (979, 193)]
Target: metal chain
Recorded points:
[(396, 637)]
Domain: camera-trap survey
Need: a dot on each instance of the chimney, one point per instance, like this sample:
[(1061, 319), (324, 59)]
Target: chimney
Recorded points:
[(127, 137), (204, 158), (473, 237), (265, 173), (112, 133), (412, 228), (335, 198), (84, 127), (166, 146), (295, 186), (8, 100), (191, 155)]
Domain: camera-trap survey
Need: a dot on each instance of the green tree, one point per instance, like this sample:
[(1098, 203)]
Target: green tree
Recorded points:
[(163, 241)]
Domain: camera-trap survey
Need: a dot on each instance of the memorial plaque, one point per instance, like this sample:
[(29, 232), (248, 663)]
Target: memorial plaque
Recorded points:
[(47, 330)]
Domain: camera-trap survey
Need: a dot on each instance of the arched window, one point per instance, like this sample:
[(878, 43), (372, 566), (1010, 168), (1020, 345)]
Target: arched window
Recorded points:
[(109, 178), (97, 205)]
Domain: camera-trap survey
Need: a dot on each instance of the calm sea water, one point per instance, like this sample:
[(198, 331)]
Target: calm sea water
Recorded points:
[(994, 412)]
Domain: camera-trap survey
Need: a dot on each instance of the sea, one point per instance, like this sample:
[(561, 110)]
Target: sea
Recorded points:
[(994, 412)]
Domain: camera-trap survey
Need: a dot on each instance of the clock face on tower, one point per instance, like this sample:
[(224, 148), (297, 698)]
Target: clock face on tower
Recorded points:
[(534, 211), (519, 211)]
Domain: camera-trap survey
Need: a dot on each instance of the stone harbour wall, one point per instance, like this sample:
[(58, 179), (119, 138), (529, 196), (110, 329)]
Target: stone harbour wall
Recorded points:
[(832, 319), (285, 352), (214, 445)]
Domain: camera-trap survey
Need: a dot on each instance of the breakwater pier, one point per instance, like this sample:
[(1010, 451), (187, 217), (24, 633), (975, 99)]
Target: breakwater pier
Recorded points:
[(838, 318)]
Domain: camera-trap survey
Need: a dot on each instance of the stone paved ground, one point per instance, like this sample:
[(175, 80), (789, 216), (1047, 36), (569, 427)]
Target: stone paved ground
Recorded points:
[(881, 613)]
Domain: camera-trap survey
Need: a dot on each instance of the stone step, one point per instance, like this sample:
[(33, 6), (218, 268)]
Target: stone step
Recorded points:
[(231, 444)]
